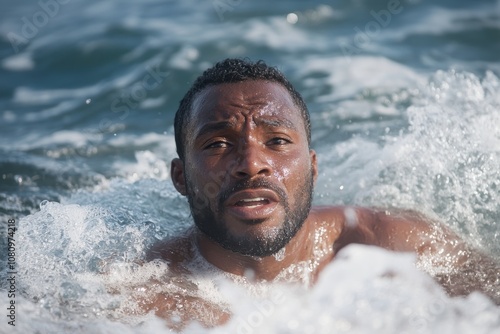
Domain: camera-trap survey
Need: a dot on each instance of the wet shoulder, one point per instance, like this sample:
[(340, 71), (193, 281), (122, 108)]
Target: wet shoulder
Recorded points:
[(328, 221), (330, 217), (345, 224)]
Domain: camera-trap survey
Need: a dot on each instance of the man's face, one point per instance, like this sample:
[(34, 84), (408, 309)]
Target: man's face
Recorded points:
[(248, 171)]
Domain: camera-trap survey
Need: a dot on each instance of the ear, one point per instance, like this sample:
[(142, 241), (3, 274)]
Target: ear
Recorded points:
[(314, 164), (177, 175)]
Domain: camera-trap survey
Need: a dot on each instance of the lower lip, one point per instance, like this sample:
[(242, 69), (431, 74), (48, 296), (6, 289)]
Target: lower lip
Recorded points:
[(256, 212)]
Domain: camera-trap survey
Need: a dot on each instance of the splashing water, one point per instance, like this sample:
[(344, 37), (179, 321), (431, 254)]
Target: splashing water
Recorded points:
[(455, 145), (446, 164), (82, 262)]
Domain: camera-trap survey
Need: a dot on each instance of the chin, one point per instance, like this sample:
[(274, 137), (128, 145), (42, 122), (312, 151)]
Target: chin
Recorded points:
[(255, 228)]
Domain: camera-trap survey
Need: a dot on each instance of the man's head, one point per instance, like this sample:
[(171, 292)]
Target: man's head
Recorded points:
[(245, 164), (232, 70)]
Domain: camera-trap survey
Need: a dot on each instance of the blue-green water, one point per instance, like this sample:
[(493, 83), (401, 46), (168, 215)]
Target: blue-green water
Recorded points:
[(405, 106)]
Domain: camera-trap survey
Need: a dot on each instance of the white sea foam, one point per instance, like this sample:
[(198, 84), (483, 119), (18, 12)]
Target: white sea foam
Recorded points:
[(151, 103), (67, 137), (350, 295), (349, 77), (30, 96), (184, 58), (437, 21), (275, 33), (148, 165), (19, 62), (446, 162)]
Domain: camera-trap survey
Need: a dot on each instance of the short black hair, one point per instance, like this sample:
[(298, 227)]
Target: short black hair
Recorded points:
[(232, 70)]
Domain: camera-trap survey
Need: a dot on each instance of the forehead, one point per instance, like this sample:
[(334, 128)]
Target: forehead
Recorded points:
[(256, 98)]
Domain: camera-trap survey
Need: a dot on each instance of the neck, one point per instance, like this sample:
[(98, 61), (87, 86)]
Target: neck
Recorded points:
[(265, 268)]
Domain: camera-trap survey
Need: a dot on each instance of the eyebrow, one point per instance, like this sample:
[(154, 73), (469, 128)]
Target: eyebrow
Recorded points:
[(277, 123), (224, 125), (214, 127)]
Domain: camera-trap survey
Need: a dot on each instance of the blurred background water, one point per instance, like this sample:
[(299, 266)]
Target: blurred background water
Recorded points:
[(404, 99)]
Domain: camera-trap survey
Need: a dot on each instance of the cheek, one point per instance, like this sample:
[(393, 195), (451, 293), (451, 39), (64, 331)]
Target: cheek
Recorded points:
[(205, 181), (215, 171), (292, 168)]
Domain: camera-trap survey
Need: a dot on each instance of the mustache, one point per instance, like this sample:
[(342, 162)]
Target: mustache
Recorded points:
[(252, 184)]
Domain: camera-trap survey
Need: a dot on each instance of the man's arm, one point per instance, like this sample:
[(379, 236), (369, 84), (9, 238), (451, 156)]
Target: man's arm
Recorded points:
[(457, 266)]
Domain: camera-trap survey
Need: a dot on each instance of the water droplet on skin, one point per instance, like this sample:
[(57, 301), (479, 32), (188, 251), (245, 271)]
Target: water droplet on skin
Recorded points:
[(87, 101), (280, 255)]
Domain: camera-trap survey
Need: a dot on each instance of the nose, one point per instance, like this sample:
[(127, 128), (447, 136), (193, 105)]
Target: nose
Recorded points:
[(251, 160)]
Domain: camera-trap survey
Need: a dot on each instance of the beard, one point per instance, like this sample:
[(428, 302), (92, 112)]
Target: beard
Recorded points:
[(209, 220)]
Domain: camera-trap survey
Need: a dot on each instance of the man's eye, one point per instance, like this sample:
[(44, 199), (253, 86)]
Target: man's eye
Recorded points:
[(217, 144), (279, 141)]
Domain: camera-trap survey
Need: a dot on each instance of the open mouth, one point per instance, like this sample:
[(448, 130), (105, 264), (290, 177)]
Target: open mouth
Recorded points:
[(252, 204)]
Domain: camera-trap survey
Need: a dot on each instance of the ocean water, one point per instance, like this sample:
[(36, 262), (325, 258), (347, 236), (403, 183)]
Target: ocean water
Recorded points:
[(405, 107)]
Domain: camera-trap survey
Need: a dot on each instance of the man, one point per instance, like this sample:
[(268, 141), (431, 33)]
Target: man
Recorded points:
[(246, 166)]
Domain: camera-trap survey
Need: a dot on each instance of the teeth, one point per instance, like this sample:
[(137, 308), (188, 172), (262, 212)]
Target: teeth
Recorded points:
[(250, 202), (258, 199)]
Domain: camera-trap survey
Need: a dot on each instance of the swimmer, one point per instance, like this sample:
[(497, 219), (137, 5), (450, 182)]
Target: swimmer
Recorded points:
[(246, 166)]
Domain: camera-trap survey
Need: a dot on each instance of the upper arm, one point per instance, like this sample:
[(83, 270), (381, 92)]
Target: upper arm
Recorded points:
[(459, 267), (404, 231)]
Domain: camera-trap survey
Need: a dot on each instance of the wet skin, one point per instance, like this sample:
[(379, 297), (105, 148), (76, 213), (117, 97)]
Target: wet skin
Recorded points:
[(247, 133), (247, 169)]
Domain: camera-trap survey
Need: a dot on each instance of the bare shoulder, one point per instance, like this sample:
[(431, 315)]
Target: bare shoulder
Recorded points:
[(331, 215), (399, 230), (346, 224), (175, 296), (329, 220)]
